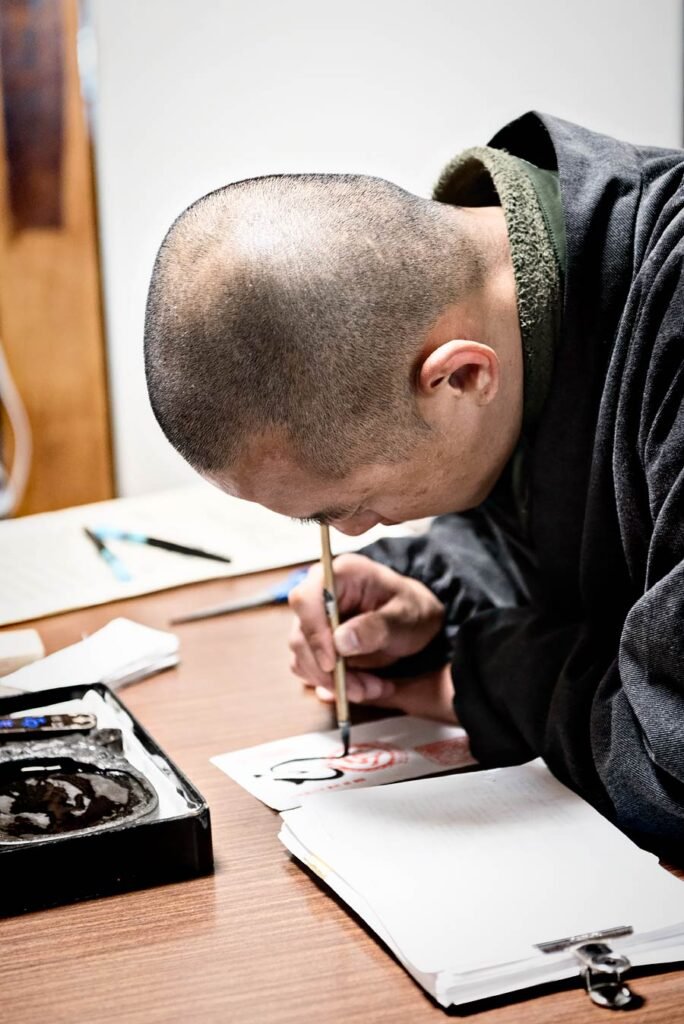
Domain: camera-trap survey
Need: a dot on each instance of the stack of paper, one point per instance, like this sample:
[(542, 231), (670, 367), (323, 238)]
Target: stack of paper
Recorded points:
[(463, 876), (121, 652), (19, 647)]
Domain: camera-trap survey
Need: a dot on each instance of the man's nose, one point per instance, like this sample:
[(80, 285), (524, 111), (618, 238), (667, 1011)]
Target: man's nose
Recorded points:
[(357, 524)]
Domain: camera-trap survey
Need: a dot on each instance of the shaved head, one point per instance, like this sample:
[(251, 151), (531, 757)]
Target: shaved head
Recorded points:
[(295, 307)]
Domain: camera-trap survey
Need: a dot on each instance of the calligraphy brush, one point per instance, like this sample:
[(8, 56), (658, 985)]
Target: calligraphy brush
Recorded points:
[(332, 611)]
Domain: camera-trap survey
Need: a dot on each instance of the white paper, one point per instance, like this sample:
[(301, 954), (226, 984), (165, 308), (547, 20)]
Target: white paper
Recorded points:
[(384, 751), (472, 871), (449, 988), (119, 652), (48, 564)]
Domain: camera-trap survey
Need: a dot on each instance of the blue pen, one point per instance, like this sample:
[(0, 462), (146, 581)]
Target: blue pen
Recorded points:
[(113, 561), (275, 595)]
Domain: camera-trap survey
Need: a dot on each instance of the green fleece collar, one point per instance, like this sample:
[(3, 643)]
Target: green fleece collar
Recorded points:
[(530, 198)]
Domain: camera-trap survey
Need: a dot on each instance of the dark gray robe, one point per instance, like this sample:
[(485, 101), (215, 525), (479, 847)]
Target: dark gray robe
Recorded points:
[(565, 625)]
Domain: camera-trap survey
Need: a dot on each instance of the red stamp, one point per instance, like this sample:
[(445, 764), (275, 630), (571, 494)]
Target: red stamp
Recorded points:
[(370, 757), (453, 753)]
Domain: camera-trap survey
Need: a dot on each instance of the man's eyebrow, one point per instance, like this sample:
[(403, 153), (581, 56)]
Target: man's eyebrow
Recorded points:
[(326, 517)]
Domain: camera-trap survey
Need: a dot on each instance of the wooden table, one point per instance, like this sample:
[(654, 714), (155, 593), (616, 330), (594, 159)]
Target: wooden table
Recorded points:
[(261, 940)]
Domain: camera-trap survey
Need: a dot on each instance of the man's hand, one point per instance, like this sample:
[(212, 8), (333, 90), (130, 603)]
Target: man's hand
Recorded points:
[(387, 616)]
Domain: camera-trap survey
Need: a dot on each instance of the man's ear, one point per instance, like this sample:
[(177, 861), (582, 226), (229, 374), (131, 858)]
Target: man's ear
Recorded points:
[(464, 367)]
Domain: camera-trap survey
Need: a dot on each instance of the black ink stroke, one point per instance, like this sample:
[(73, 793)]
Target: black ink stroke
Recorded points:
[(324, 774)]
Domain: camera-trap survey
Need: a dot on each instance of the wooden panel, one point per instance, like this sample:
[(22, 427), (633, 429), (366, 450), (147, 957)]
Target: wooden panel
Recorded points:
[(32, 74), (50, 311), (261, 940)]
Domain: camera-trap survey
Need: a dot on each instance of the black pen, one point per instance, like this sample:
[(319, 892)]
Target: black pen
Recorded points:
[(113, 533)]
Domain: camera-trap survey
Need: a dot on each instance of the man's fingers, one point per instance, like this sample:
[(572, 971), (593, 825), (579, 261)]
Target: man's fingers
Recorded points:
[(302, 660), (427, 696), (360, 582), (357, 578), (364, 634), (384, 630), (374, 688), (391, 616), (361, 687), (306, 601)]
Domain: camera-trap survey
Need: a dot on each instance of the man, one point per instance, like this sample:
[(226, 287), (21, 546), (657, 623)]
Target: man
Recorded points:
[(506, 356)]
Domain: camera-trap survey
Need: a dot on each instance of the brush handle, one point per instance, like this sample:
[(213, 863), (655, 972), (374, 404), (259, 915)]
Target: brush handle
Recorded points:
[(332, 611)]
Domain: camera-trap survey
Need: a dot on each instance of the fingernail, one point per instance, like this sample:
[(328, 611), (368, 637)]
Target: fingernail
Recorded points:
[(354, 692), (325, 661), (347, 641), (373, 688)]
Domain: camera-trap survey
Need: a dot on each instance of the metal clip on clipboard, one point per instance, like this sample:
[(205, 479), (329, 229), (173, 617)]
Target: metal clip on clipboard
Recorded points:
[(601, 968)]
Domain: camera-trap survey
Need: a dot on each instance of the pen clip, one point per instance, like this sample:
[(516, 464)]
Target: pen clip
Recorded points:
[(602, 970)]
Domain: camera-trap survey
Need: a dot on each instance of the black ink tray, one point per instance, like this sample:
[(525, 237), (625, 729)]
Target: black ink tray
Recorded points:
[(172, 845)]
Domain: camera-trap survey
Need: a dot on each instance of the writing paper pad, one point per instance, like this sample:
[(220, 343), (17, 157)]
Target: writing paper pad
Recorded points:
[(467, 873)]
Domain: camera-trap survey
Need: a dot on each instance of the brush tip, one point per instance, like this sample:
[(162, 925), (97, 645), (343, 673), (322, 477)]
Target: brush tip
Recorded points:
[(346, 737)]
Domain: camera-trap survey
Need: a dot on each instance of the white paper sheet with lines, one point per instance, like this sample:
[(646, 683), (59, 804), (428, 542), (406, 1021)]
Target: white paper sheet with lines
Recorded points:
[(464, 875), (48, 565)]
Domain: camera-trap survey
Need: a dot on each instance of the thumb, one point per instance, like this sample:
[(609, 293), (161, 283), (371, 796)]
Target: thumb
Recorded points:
[(368, 633)]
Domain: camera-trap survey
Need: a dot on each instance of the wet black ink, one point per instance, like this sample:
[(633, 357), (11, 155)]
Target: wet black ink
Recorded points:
[(325, 773)]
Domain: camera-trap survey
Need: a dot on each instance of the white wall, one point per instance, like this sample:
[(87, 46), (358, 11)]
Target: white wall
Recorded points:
[(195, 93)]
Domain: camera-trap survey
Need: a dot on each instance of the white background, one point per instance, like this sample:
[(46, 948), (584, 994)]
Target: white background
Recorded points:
[(192, 94)]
